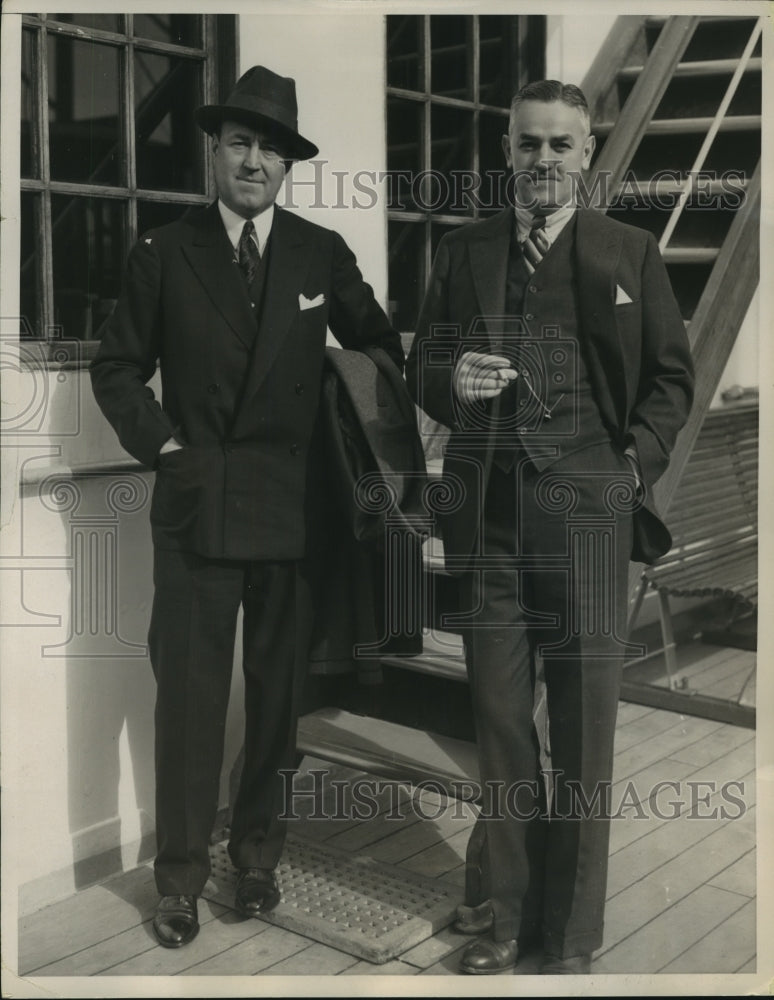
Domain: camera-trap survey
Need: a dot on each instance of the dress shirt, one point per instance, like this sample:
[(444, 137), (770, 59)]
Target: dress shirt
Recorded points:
[(235, 224), (555, 221)]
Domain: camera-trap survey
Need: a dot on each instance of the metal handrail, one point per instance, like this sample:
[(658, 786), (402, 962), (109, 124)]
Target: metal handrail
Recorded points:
[(720, 114)]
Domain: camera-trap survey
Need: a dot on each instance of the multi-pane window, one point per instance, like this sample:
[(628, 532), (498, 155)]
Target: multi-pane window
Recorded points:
[(450, 79), (109, 148)]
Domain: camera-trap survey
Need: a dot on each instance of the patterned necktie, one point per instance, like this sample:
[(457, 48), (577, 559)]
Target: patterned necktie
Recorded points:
[(248, 252), (536, 245)]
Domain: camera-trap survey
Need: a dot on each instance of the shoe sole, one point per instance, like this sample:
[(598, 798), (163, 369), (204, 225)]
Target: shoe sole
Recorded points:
[(485, 972)]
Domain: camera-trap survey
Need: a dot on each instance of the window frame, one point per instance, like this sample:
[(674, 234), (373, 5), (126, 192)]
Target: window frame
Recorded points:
[(527, 61), (217, 52)]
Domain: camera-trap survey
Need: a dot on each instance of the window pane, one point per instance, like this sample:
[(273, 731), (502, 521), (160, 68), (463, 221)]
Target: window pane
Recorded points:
[(169, 143), (491, 159), (450, 56), (103, 22), (451, 158), (494, 60), (179, 29), (404, 51), (151, 214), (88, 251), (29, 166), (30, 298), (407, 272), (83, 99)]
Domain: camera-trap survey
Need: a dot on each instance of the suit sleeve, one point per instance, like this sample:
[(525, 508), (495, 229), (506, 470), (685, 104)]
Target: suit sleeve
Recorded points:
[(429, 374), (356, 319), (126, 360), (666, 384)]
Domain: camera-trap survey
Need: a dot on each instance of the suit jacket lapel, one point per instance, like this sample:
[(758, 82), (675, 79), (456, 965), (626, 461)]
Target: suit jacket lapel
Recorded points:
[(288, 265), (489, 266), (211, 256), (598, 249)]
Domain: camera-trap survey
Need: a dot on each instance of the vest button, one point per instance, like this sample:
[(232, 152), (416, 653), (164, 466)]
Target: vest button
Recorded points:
[(529, 316), (295, 449), (212, 389), (533, 288), (299, 388)]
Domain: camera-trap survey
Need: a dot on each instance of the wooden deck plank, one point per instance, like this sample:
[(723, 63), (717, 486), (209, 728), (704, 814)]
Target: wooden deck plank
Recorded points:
[(729, 688), (643, 729), (316, 960), (685, 731), (388, 799), (629, 712), (75, 923), (436, 948), (659, 942), (412, 838), (640, 787), (440, 858), (364, 836), (393, 968), (739, 877), (724, 949), (253, 955), (222, 931), (666, 839), (715, 745), (644, 900)]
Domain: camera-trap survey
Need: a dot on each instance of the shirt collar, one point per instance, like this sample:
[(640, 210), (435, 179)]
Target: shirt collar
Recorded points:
[(235, 223), (555, 222)]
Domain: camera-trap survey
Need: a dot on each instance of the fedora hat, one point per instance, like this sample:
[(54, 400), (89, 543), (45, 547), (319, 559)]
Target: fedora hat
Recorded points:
[(261, 99)]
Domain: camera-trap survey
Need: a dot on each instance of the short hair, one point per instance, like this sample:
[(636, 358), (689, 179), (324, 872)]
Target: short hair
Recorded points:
[(548, 91)]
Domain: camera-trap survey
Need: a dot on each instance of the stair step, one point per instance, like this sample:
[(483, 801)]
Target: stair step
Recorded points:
[(657, 191), (681, 126), (701, 67), (690, 255), (442, 656), (388, 749)]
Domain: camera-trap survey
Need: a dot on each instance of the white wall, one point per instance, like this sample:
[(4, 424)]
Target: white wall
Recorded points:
[(337, 61)]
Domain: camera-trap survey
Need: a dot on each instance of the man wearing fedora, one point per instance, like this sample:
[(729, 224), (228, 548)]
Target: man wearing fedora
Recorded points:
[(233, 302)]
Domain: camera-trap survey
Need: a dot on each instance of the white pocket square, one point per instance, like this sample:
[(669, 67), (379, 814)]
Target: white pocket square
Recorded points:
[(305, 303), (621, 298)]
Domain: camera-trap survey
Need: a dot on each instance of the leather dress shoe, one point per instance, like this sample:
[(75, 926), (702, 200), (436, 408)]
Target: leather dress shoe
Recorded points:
[(487, 958), (474, 919), (257, 891), (176, 922), (576, 965)]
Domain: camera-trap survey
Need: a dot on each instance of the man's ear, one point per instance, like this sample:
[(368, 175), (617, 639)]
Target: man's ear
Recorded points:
[(214, 143), (588, 148), (506, 143)]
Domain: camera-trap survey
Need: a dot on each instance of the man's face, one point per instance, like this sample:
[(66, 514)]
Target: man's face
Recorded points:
[(249, 168), (547, 146)]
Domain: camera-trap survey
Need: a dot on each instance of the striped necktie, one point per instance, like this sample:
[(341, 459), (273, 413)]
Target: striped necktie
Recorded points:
[(248, 253), (536, 245)]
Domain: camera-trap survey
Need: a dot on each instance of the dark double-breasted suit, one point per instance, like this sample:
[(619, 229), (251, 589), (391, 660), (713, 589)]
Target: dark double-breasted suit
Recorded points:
[(235, 510), (530, 593)]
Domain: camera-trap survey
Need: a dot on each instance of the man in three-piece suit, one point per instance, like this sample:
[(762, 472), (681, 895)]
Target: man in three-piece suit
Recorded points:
[(233, 302), (551, 344)]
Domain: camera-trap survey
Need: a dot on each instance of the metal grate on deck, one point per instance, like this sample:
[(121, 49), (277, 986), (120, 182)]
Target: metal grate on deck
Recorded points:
[(351, 902)]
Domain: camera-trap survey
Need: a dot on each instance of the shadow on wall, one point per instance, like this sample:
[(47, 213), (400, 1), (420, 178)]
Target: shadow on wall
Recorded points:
[(109, 683)]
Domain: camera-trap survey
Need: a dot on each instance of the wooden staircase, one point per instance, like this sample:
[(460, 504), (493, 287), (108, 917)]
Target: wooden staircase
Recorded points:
[(678, 105)]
